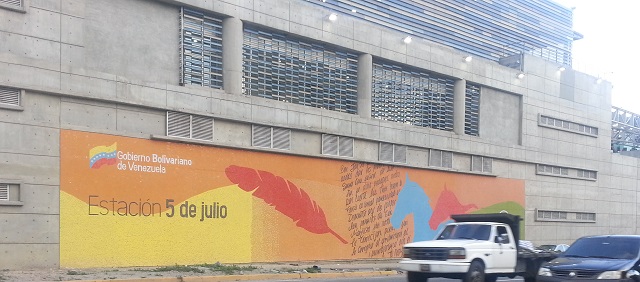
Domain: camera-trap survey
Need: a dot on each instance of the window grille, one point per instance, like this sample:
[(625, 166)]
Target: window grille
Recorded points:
[(189, 126), (271, 137), (552, 170), (201, 49), (389, 152), (412, 97), (440, 158), (300, 72), (552, 215), (10, 96), (472, 110), (337, 145), (481, 164), (590, 174), (567, 125)]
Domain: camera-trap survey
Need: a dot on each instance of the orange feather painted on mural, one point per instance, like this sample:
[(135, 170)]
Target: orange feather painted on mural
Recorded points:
[(285, 196)]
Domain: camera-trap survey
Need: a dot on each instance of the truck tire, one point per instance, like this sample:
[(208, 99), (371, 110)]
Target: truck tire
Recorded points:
[(490, 278), (416, 277), (475, 273)]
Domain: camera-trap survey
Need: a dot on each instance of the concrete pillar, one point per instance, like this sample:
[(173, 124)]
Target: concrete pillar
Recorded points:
[(459, 110), (365, 82), (232, 55)]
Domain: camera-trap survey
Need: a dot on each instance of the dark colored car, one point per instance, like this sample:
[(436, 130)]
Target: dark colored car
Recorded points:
[(596, 258)]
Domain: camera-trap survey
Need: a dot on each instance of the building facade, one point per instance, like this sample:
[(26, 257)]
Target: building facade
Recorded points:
[(181, 132)]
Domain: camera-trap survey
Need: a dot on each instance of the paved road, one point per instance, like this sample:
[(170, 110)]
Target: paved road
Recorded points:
[(395, 278)]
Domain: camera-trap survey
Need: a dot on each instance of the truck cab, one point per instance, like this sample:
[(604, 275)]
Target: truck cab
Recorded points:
[(474, 248)]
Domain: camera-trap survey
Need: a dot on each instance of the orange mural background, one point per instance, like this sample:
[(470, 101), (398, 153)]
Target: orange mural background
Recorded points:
[(277, 207)]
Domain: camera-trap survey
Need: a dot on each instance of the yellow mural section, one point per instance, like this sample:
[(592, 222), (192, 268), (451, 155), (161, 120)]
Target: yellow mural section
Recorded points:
[(113, 240)]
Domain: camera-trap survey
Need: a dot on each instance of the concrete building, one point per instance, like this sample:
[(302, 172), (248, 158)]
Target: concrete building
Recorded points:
[(168, 86)]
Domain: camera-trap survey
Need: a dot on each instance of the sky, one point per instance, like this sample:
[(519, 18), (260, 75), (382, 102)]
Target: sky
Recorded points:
[(610, 45)]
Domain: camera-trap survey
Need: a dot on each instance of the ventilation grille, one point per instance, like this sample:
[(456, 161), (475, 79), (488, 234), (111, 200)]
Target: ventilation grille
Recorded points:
[(189, 126), (4, 192), (393, 153), (9, 96), (482, 164), (16, 3), (201, 49), (440, 158), (337, 145), (472, 110), (271, 137)]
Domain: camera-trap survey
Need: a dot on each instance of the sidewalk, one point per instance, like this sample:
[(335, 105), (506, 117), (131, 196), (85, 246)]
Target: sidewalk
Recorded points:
[(212, 272)]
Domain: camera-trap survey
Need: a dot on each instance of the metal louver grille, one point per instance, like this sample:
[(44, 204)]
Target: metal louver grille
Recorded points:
[(287, 69), (329, 144), (281, 138), (411, 96), (487, 164), (201, 49), (447, 159), (400, 153), (202, 128), (435, 158), (178, 124), (9, 96), (386, 152), (4, 192), (476, 163), (261, 136), (345, 147), (472, 110), (17, 3)]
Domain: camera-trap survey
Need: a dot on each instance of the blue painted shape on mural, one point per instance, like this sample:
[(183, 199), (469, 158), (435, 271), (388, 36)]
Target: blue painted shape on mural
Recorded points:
[(413, 200)]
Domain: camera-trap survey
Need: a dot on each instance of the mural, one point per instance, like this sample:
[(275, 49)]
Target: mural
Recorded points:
[(138, 202)]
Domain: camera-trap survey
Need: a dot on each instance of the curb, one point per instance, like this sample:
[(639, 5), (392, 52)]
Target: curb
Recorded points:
[(266, 276)]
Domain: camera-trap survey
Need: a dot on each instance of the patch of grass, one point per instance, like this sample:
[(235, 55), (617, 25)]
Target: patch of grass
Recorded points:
[(227, 269), (73, 272), (179, 268)]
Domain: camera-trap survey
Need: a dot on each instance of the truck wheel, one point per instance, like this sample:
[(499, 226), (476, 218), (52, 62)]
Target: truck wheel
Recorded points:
[(475, 273), (416, 277), (530, 279), (490, 278)]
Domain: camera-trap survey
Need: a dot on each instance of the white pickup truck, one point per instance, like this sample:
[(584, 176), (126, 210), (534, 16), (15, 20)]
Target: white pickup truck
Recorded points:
[(476, 247)]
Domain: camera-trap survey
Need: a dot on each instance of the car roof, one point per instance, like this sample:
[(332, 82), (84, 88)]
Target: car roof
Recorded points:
[(614, 236)]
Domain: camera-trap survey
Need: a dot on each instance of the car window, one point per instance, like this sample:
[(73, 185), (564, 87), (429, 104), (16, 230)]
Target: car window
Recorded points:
[(466, 231), (604, 247)]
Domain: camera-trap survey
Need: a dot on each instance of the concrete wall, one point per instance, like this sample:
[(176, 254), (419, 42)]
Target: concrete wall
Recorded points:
[(112, 67)]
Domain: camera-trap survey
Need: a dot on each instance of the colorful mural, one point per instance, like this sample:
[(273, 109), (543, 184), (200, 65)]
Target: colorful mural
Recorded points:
[(136, 202)]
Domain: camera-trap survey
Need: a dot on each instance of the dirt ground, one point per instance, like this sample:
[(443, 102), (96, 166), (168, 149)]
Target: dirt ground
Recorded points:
[(192, 270)]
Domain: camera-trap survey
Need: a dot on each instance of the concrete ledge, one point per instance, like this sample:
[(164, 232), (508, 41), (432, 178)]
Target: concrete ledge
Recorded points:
[(265, 276)]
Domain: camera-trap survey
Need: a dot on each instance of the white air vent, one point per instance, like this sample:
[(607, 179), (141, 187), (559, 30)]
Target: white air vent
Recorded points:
[(189, 126), (386, 152), (482, 164), (337, 145), (440, 158), (281, 138), (271, 137), (4, 192), (12, 3), (9, 96), (393, 153), (261, 136), (400, 153), (345, 146)]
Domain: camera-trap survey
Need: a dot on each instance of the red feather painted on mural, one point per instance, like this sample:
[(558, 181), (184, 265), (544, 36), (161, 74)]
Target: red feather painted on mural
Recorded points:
[(285, 196), (447, 205)]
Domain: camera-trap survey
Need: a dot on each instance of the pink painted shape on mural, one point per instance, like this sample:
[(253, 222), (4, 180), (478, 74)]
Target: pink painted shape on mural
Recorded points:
[(447, 205)]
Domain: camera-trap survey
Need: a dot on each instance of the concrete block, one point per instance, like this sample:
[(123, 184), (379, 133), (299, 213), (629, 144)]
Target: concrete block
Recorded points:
[(304, 120), (417, 157), (271, 21), (336, 125), (72, 30), (304, 142), (30, 256), (306, 31), (49, 5), (138, 121), (232, 133), (232, 109), (74, 8), (88, 86), (269, 115), (72, 55), (26, 139), (37, 22), (370, 35), (158, 97), (242, 9), (394, 55), (367, 150), (278, 9), (302, 14), (36, 199), (22, 76), (94, 117), (393, 134), (32, 169), (366, 128), (338, 39), (30, 47)]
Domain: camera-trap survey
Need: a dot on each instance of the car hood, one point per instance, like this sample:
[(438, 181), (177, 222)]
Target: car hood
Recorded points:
[(573, 263)]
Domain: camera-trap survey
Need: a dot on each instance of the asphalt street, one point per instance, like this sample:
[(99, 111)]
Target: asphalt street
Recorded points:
[(394, 278)]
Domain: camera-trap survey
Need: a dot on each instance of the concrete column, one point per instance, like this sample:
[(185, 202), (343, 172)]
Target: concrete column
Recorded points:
[(232, 55), (365, 82), (459, 94)]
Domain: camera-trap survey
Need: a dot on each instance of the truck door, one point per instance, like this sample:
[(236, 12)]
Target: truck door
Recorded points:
[(505, 255)]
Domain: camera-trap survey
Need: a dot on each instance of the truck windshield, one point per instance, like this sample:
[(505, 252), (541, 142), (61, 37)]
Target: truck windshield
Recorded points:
[(466, 231), (604, 247)]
